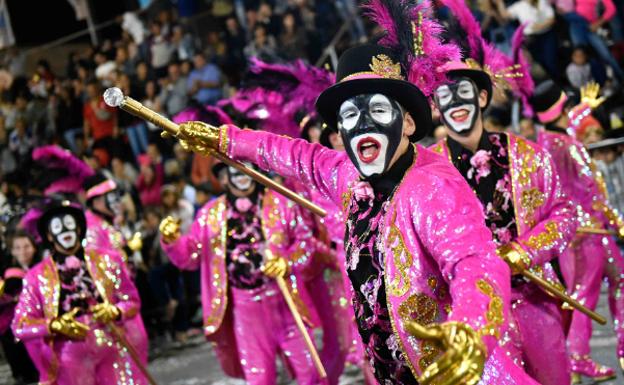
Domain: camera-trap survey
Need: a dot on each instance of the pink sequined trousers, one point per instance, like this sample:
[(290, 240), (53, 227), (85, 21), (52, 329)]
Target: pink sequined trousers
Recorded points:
[(260, 342), (542, 340), (583, 266)]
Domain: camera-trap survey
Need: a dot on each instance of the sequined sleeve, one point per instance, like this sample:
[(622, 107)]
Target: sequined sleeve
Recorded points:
[(326, 170), (29, 321), (556, 226), (454, 233), (126, 296), (185, 253)]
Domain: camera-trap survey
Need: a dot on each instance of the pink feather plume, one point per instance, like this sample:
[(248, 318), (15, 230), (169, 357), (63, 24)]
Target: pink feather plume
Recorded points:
[(525, 84), (55, 157)]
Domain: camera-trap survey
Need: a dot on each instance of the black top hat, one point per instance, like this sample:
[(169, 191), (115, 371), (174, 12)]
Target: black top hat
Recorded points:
[(478, 76), (217, 167), (372, 68), (58, 206), (97, 185), (546, 95)]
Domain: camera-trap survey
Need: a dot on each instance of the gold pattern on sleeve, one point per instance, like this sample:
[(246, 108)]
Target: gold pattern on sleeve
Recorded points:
[(531, 200), (494, 314), (546, 238), (402, 261)]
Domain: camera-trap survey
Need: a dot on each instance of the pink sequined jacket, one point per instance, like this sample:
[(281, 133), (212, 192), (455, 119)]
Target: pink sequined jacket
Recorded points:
[(580, 181), (440, 262), (104, 235), (544, 215), (38, 305), (204, 248)]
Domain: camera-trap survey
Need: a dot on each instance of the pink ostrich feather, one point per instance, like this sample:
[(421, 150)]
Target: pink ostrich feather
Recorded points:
[(211, 115), (525, 83), (29, 222), (55, 157), (397, 18)]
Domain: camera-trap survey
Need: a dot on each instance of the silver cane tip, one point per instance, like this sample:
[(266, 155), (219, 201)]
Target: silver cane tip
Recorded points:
[(113, 97)]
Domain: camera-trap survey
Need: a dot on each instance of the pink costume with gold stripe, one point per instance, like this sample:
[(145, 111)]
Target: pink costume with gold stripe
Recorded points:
[(545, 224), (99, 359), (251, 327), (433, 271)]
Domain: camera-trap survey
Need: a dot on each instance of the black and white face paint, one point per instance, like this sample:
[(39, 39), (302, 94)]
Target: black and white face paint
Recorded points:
[(458, 103), (239, 180), (113, 202), (371, 126), (64, 231)]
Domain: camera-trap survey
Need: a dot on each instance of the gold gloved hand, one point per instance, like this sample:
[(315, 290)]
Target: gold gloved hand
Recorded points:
[(275, 267), (199, 137), (170, 229), (621, 232), (105, 312), (590, 93), (136, 242), (463, 360), (517, 259), (66, 325)]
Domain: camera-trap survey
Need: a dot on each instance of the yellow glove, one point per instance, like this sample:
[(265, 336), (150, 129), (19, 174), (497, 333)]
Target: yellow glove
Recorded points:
[(136, 242), (464, 357), (517, 259), (105, 312), (199, 137), (1, 287), (590, 93), (621, 232), (66, 325), (170, 229), (275, 267)]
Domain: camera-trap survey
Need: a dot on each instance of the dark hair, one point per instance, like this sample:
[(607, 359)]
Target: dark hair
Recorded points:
[(21, 233)]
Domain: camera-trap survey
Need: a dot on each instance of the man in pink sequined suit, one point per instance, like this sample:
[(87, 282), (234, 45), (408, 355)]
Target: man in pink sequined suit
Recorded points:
[(67, 301), (590, 257), (245, 314), (416, 247), (530, 220)]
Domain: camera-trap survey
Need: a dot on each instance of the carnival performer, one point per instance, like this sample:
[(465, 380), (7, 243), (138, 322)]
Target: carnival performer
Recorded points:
[(417, 251), (231, 242), (104, 211), (70, 299), (591, 256), (517, 185)]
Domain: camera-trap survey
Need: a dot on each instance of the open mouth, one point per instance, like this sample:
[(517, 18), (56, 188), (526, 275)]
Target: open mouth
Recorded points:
[(460, 115), (368, 149)]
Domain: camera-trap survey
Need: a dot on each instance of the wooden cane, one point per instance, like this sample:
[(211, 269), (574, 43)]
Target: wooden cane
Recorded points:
[(551, 289), (589, 230), (302, 329), (114, 97)]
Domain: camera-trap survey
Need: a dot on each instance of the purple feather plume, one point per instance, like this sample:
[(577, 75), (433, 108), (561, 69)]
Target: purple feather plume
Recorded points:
[(29, 222)]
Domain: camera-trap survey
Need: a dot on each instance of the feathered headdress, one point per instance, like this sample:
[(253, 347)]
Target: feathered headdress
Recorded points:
[(506, 73), (209, 114), (69, 171), (416, 37), (274, 95)]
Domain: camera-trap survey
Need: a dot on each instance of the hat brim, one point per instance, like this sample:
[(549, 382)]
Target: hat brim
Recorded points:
[(405, 93), (217, 167), (481, 79), (42, 223)]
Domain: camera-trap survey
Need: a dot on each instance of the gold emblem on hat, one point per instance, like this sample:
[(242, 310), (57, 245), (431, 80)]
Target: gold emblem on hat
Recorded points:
[(383, 66)]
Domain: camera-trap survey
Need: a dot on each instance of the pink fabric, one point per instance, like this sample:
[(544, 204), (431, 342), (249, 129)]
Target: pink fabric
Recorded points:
[(203, 247), (102, 188), (590, 257), (554, 111), (57, 359), (150, 193), (103, 235), (14, 272), (554, 209), (587, 9), (424, 216)]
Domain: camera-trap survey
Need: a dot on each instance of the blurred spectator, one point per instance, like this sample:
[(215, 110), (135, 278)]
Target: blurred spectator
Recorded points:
[(100, 120), (69, 115), (579, 70), (265, 17), (20, 141), (151, 177), (204, 81), (538, 16), (23, 252), (173, 96), (177, 207), (262, 46), (293, 39), (123, 62), (104, 68), (134, 26), (160, 49), (140, 79), (203, 194), (182, 43)]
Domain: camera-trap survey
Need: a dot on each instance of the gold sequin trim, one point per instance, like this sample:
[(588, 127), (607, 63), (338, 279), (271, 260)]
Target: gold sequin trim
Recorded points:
[(383, 66), (546, 238), (420, 308), (402, 260), (224, 139), (494, 314), (530, 201)]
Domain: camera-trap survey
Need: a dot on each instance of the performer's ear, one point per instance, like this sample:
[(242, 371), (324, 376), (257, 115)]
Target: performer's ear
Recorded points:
[(409, 127), (483, 96)]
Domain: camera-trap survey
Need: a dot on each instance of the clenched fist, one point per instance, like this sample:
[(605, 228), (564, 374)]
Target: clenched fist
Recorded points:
[(105, 312), (200, 137), (170, 229), (67, 326)]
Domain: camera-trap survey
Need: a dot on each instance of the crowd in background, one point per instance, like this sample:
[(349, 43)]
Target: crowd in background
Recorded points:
[(169, 63)]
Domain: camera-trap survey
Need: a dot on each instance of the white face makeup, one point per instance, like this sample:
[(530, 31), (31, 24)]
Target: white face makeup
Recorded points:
[(239, 180), (372, 126), (459, 105), (63, 229)]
